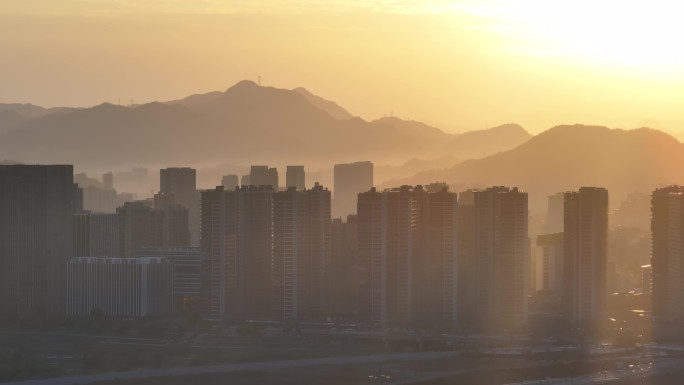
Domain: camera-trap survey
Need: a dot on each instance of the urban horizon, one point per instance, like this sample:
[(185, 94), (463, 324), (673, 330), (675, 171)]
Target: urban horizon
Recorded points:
[(345, 192)]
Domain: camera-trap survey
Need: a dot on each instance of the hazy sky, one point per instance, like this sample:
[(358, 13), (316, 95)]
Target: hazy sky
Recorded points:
[(459, 65)]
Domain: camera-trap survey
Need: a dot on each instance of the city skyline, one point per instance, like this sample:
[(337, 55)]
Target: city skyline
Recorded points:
[(416, 262), (363, 192)]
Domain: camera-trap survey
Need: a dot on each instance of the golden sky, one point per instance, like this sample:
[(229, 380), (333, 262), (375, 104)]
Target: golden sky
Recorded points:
[(459, 65)]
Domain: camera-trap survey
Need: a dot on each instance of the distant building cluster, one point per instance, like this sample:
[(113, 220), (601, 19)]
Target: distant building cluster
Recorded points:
[(419, 257)]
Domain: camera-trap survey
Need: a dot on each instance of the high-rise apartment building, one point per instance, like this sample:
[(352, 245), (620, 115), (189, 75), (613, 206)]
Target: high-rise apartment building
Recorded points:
[(349, 180), (138, 226), (99, 200), (342, 282), (187, 273), (267, 252), (467, 262), (96, 235), (646, 280), (218, 242), (245, 180), (585, 253), (667, 252), (553, 247), (36, 238), (438, 297), (237, 239), (263, 176), (108, 180), (301, 252), (555, 213), (295, 177), (162, 223), (81, 234), (78, 198), (407, 255), (498, 245), (173, 221), (182, 184), (230, 182)]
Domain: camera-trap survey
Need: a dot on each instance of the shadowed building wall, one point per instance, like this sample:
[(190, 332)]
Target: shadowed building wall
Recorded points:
[(301, 252), (36, 238), (500, 258), (585, 253), (237, 239), (407, 258)]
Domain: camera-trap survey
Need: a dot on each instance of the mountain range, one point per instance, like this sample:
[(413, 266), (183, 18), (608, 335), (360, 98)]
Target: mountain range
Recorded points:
[(246, 124), (567, 157), (250, 124)]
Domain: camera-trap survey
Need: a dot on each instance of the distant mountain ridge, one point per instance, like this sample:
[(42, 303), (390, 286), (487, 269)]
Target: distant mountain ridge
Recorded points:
[(567, 157), (328, 106), (382, 173), (27, 110), (245, 124), (14, 114)]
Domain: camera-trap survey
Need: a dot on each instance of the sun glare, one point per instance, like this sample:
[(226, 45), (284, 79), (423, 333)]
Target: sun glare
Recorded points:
[(639, 35)]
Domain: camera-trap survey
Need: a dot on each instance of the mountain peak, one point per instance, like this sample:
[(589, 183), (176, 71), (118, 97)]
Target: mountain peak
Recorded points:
[(244, 84), (108, 107), (390, 119), (591, 133)]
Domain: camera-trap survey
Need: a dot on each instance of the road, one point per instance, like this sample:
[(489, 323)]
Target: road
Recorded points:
[(665, 372), (247, 367)]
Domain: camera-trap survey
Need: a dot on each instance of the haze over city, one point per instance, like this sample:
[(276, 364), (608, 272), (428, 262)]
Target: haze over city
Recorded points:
[(342, 192)]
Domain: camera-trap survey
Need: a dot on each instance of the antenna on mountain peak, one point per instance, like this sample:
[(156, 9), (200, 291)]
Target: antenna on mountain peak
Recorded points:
[(259, 80)]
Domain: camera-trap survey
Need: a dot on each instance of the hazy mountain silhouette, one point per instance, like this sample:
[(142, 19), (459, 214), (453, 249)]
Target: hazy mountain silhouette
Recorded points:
[(26, 110), (32, 111), (384, 173), (9, 119), (328, 106), (196, 100), (245, 124), (103, 135), (567, 157), (478, 144), (14, 114)]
